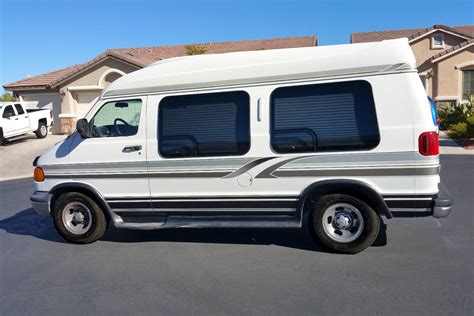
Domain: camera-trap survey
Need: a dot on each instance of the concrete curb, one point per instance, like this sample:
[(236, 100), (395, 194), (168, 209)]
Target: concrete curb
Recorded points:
[(447, 146)]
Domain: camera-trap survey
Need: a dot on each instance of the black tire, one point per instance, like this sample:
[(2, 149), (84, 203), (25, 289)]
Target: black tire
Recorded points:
[(2, 140), (98, 222), (42, 130), (368, 234)]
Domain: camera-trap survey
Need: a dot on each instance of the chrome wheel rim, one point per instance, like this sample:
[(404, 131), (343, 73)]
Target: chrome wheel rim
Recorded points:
[(343, 222), (43, 130), (77, 218)]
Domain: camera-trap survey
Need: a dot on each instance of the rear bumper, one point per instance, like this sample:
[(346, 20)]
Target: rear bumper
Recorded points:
[(439, 205), (443, 203), (41, 202)]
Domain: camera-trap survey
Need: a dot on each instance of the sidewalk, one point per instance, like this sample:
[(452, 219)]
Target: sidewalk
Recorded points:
[(447, 146), (16, 157)]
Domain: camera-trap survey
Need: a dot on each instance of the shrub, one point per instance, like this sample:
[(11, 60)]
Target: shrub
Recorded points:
[(195, 50), (449, 118), (470, 126), (458, 130)]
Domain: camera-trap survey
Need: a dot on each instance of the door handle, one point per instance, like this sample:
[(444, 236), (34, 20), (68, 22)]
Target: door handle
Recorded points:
[(16, 119), (129, 149)]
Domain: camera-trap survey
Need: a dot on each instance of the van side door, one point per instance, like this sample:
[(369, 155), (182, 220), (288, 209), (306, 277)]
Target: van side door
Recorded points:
[(113, 159), (196, 145)]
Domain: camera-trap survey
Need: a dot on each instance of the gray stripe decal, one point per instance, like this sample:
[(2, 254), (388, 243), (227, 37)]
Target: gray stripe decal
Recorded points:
[(102, 165), (228, 163), (343, 160), (207, 198), (139, 175), (356, 172), (267, 173), (247, 81), (393, 67), (248, 166)]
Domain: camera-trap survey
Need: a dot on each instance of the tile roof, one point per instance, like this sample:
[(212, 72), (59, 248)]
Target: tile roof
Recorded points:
[(466, 31), (452, 49), (144, 56)]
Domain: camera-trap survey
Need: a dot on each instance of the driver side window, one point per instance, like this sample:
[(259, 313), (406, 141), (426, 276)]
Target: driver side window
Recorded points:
[(117, 118)]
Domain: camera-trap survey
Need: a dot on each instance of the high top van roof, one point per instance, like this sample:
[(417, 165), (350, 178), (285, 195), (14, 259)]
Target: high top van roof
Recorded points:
[(266, 66)]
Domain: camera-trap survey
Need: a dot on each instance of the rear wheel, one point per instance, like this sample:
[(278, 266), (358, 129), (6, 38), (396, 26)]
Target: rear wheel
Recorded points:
[(2, 140), (42, 130), (343, 223), (78, 218)]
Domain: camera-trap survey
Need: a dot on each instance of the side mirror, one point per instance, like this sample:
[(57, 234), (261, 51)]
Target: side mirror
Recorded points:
[(82, 127)]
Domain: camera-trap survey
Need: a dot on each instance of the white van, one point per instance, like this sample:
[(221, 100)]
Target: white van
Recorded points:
[(249, 140)]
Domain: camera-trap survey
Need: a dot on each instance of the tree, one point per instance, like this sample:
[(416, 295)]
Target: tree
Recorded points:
[(195, 50), (6, 97)]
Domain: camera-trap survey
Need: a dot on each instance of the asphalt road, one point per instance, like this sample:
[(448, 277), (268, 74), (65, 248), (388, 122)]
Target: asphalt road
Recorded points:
[(417, 266)]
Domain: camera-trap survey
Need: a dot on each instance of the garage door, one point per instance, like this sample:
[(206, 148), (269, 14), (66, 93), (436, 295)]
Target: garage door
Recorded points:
[(84, 102)]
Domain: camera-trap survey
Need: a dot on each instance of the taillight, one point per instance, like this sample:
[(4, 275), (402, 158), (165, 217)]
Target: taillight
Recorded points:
[(428, 144), (39, 174), (51, 114)]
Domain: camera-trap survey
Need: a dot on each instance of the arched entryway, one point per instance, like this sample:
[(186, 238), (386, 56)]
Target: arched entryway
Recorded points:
[(85, 95)]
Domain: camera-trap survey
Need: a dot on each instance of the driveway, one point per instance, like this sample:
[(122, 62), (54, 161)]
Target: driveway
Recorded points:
[(16, 157), (418, 266)]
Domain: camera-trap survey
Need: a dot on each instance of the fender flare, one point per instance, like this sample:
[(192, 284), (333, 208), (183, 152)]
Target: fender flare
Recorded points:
[(346, 185), (82, 187)]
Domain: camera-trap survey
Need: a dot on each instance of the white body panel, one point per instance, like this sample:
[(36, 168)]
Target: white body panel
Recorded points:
[(393, 167)]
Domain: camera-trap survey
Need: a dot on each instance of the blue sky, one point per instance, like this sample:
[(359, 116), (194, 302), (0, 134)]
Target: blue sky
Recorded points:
[(43, 35)]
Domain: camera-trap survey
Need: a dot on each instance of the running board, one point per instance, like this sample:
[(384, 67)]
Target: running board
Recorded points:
[(12, 139), (148, 221)]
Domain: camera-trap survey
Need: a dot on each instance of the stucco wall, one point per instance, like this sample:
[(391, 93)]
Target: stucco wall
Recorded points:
[(89, 78), (92, 75), (449, 79), (423, 53), (75, 103)]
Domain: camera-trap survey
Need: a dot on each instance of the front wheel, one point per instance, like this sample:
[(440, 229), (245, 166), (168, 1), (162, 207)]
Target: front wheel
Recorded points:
[(42, 130), (343, 223), (78, 218)]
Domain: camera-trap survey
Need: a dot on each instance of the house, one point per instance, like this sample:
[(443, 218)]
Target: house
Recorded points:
[(69, 91), (444, 56)]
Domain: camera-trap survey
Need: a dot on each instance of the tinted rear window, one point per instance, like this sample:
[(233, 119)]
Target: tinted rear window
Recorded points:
[(212, 124), (324, 117)]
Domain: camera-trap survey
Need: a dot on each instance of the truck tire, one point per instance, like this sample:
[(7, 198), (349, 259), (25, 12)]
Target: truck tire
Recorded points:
[(42, 130), (343, 223), (78, 218), (2, 140)]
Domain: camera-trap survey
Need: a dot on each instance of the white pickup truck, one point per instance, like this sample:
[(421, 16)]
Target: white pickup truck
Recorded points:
[(16, 121)]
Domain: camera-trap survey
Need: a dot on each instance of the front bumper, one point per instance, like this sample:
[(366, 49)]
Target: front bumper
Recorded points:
[(41, 202), (443, 203)]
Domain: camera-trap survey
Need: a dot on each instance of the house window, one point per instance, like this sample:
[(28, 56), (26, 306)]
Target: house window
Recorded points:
[(467, 83), (324, 117), (203, 125), (437, 41)]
